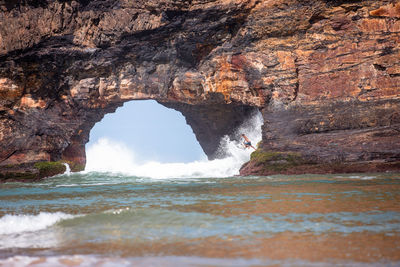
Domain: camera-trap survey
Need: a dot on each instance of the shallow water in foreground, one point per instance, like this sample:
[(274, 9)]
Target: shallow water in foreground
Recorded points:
[(102, 219)]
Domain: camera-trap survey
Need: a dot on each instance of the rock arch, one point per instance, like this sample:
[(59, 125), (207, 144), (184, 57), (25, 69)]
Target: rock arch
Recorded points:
[(64, 64)]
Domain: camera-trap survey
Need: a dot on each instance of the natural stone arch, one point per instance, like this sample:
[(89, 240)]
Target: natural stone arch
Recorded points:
[(303, 60), (55, 107), (57, 85)]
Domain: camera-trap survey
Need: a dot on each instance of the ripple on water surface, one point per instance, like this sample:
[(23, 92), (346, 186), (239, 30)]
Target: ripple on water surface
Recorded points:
[(218, 221)]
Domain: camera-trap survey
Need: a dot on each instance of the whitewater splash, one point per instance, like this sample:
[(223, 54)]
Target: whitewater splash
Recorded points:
[(113, 157), (30, 231), (14, 224), (67, 169)]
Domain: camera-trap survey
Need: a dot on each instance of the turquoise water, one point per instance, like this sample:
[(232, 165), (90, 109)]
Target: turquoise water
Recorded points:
[(104, 219)]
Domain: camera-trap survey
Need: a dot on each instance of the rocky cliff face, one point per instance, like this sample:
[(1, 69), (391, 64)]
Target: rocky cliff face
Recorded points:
[(326, 75)]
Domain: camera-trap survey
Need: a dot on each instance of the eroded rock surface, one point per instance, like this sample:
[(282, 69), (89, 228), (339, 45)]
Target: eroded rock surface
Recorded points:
[(326, 74)]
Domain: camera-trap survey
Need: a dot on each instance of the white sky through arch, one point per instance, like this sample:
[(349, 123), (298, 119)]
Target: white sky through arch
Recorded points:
[(151, 130), (145, 142)]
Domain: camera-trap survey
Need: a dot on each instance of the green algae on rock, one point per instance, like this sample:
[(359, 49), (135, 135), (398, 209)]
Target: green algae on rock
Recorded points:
[(47, 169), (31, 172), (276, 161), (75, 167), (271, 163), (265, 156)]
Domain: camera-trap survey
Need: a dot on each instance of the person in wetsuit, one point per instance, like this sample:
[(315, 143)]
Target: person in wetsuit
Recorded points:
[(247, 142)]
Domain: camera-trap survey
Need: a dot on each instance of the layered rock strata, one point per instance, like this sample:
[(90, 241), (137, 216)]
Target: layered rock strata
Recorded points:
[(326, 75)]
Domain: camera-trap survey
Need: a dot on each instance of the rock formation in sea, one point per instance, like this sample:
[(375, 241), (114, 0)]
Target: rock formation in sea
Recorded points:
[(324, 73)]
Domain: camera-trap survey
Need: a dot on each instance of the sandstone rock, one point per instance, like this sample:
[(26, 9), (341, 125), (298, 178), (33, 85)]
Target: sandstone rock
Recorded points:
[(324, 73)]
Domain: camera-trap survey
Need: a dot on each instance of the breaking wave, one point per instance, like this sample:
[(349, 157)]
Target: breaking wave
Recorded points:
[(14, 224), (114, 157)]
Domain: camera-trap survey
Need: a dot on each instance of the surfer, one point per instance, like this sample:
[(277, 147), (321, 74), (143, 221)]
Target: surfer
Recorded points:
[(247, 142)]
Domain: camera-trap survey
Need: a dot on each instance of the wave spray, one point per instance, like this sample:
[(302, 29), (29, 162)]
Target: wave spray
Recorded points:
[(113, 157)]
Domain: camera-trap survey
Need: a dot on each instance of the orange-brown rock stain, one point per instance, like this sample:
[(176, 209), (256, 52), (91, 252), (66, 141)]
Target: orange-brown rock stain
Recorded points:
[(229, 76), (9, 90), (391, 10), (28, 102)]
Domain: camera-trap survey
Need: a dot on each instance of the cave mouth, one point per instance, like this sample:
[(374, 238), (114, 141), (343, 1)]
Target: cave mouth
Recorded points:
[(208, 122), (147, 131), (154, 140)]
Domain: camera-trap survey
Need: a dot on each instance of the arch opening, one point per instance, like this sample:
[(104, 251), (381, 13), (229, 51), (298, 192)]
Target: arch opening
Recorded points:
[(149, 130), (147, 139)]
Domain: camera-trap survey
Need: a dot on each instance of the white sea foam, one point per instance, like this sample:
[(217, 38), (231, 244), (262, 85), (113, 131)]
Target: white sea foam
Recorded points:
[(83, 185), (67, 169), (109, 156), (13, 224), (118, 211), (360, 177)]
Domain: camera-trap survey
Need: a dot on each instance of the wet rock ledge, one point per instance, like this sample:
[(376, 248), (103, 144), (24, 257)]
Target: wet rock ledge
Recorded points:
[(325, 75)]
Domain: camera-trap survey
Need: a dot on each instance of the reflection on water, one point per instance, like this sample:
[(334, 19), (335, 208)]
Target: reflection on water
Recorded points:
[(100, 219)]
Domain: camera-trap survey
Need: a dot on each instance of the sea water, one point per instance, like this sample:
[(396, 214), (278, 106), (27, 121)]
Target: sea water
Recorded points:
[(120, 213)]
